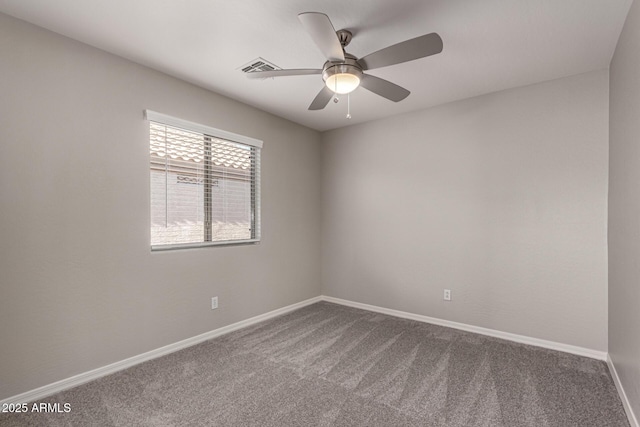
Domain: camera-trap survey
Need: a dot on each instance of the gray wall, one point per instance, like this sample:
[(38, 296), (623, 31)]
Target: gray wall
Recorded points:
[(500, 198), (79, 287), (624, 209)]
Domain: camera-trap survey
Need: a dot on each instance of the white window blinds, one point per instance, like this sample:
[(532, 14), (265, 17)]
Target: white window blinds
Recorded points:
[(205, 185)]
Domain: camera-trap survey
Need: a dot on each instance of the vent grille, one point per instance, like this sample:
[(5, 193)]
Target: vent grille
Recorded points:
[(259, 64)]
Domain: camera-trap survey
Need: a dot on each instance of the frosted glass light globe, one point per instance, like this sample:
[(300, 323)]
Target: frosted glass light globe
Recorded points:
[(342, 83)]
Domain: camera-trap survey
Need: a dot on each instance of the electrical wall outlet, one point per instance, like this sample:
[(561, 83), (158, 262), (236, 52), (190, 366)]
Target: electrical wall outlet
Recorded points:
[(447, 295), (214, 303)]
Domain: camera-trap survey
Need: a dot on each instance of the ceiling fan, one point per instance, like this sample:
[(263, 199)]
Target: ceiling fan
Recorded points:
[(343, 72)]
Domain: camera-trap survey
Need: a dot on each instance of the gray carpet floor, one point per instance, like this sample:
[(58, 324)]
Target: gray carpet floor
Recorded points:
[(329, 365)]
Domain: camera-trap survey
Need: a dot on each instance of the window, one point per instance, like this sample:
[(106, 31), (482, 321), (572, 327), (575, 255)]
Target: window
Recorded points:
[(205, 185)]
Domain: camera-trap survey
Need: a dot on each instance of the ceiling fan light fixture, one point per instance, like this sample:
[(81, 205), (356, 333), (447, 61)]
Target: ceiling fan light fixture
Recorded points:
[(342, 78), (343, 83)]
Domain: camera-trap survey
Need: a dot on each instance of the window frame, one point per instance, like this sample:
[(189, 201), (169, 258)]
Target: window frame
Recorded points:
[(210, 133)]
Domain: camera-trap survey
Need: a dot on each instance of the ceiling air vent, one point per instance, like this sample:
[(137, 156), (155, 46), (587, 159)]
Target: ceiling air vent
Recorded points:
[(259, 64)]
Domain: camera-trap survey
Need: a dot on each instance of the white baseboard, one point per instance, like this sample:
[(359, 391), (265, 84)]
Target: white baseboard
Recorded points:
[(633, 421), (580, 351), (84, 377)]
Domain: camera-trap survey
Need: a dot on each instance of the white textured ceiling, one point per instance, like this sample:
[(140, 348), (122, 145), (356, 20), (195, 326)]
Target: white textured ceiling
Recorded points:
[(489, 45)]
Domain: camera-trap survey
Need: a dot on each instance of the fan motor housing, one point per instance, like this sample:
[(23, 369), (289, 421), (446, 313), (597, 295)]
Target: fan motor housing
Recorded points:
[(349, 66)]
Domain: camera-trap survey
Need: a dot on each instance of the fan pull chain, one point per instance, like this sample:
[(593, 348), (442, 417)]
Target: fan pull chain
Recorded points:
[(335, 91), (348, 106)]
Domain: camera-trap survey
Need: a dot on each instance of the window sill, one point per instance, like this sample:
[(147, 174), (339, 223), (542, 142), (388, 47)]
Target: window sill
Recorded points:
[(161, 248)]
